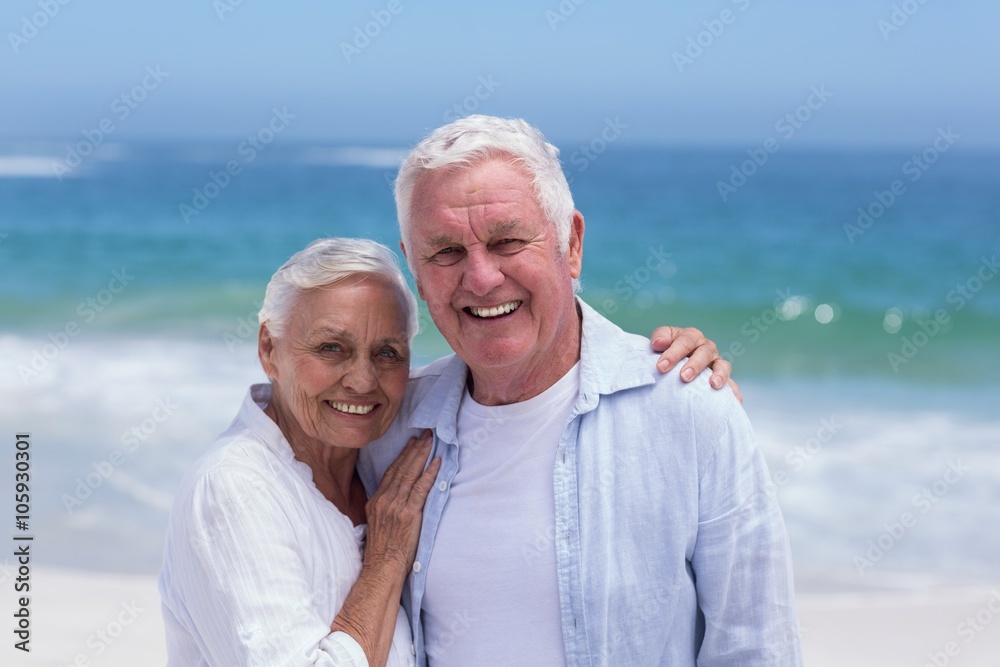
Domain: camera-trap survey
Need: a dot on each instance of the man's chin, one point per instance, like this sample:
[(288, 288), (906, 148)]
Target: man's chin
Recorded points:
[(494, 354)]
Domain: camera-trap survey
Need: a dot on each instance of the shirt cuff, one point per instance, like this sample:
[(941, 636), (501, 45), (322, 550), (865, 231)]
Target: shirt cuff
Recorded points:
[(346, 646)]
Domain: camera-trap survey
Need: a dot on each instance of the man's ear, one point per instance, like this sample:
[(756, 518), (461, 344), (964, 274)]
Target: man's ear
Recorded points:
[(266, 352), (574, 254), (406, 257)]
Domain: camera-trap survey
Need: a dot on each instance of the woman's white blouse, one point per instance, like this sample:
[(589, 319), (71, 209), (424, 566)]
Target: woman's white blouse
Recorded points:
[(257, 561)]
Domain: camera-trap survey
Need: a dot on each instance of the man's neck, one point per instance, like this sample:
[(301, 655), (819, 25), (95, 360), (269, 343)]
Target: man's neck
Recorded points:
[(520, 382)]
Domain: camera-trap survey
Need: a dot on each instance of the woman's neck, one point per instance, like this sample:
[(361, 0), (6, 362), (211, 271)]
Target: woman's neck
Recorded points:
[(332, 467)]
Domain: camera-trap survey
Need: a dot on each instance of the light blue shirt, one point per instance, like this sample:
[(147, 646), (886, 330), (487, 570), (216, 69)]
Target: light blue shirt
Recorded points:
[(670, 546)]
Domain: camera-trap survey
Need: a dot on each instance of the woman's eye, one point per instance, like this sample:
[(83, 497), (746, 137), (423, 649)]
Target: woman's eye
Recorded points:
[(330, 347), (388, 353)]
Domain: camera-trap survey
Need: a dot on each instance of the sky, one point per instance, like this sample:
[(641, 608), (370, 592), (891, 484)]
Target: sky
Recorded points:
[(722, 72)]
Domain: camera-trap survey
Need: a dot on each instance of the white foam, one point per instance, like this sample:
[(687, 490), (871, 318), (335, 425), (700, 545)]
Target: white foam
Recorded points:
[(141, 492), (92, 392), (889, 444), (27, 166), (356, 156), (840, 494)]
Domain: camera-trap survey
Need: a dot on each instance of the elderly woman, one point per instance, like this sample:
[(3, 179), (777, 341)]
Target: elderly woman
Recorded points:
[(267, 560), (274, 554)]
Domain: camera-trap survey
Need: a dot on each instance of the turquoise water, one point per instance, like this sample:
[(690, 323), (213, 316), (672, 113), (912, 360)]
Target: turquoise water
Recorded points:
[(716, 264), (111, 300)]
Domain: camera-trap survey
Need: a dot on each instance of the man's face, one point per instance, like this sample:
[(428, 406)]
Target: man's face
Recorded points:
[(487, 263)]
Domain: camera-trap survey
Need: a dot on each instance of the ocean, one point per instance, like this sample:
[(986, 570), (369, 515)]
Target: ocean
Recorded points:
[(853, 291)]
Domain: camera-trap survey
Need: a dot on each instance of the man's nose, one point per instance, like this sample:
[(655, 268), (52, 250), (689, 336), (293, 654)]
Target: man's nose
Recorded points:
[(482, 273)]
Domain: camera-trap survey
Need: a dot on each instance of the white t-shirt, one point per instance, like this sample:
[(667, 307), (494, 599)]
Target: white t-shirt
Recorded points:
[(494, 566)]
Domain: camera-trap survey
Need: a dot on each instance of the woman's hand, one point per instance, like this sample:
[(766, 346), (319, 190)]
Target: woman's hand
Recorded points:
[(676, 343), (396, 509), (394, 512)]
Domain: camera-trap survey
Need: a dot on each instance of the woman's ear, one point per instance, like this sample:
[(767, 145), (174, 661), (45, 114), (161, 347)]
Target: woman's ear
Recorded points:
[(266, 352)]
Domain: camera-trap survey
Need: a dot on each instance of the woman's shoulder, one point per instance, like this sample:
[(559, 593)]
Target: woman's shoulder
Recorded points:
[(238, 463)]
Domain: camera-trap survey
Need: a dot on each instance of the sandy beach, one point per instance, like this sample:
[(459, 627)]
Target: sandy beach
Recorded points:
[(904, 629), (89, 619)]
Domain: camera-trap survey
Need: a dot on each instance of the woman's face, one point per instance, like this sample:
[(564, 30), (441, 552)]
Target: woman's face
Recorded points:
[(340, 367)]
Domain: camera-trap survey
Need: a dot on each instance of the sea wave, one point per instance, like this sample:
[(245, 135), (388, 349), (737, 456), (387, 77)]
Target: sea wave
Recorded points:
[(375, 158), (26, 166), (847, 459)]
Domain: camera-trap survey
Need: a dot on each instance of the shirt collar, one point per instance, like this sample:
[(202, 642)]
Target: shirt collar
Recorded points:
[(253, 417), (438, 409), (610, 360), (609, 363)]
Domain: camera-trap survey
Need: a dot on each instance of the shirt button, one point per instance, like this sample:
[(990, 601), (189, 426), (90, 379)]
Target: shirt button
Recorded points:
[(416, 566), (442, 485), (413, 649)]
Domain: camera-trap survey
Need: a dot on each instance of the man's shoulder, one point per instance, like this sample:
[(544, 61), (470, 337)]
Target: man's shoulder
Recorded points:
[(697, 399), (635, 353), (639, 398), (432, 370), (375, 457), (632, 356), (424, 379)]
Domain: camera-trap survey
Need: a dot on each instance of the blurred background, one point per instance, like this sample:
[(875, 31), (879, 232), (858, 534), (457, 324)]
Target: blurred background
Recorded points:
[(816, 187)]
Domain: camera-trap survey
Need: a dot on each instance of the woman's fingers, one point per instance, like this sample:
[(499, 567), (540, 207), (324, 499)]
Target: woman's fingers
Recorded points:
[(418, 495), (395, 510), (736, 390), (405, 460), (405, 471), (412, 460)]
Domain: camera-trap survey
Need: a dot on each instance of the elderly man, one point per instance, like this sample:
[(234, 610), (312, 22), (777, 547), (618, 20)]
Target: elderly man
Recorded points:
[(589, 510)]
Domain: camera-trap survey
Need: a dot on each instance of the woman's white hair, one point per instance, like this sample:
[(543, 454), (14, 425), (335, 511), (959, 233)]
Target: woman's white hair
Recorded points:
[(473, 139), (328, 261)]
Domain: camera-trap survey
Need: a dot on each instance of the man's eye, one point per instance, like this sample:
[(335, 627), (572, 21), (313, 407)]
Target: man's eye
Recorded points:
[(508, 245), (388, 353), (330, 347), (447, 256)]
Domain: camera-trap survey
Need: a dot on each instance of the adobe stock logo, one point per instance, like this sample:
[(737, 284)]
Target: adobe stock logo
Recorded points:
[(786, 126), (698, 43), (900, 16), (562, 13), (88, 310), (248, 150), (31, 25), (137, 435), (364, 36), (121, 107), (924, 501), (963, 292), (588, 153), (915, 167)]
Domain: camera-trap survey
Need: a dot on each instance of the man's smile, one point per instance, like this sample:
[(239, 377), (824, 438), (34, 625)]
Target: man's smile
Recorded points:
[(493, 311)]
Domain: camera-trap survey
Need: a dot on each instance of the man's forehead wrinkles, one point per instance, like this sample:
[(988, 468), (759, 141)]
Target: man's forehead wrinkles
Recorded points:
[(504, 227), (494, 190), (492, 230)]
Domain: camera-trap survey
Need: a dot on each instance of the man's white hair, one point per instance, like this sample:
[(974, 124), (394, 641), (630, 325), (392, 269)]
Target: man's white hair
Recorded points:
[(326, 262), (470, 140)]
